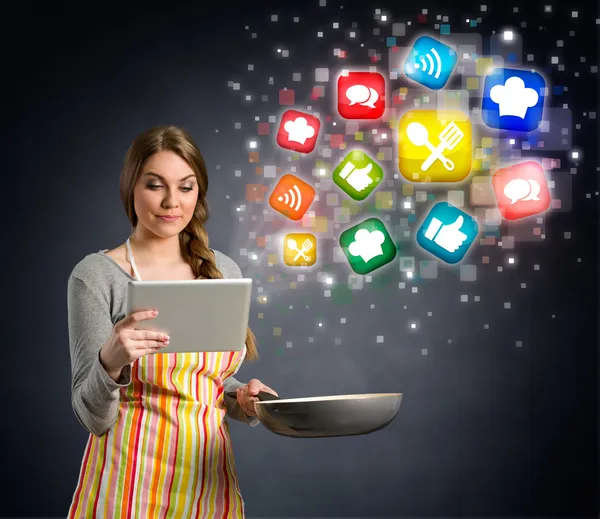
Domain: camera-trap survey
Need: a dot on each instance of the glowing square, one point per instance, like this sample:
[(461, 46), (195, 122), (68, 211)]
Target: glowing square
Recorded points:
[(472, 83)]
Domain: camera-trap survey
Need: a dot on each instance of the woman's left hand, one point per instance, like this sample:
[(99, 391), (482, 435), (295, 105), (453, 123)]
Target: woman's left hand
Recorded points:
[(246, 395)]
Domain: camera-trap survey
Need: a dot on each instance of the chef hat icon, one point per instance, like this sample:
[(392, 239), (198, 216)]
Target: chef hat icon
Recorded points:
[(367, 244), (299, 130), (513, 98)]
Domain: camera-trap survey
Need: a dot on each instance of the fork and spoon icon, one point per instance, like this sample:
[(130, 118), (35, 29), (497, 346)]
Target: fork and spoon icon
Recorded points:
[(449, 137), (306, 246)]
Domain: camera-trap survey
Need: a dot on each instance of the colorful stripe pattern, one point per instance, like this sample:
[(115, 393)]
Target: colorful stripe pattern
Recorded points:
[(169, 453)]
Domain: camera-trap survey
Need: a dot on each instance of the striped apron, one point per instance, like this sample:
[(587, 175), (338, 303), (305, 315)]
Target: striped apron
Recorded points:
[(169, 453)]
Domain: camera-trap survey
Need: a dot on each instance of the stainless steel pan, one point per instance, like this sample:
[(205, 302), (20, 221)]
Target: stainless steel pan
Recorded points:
[(326, 416)]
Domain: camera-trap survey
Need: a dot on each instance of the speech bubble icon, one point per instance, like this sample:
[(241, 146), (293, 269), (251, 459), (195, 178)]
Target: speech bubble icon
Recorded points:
[(516, 190), (363, 95), (535, 190)]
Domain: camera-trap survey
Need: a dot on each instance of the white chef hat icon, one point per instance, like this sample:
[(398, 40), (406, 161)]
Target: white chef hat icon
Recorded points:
[(299, 130), (513, 98), (367, 244)]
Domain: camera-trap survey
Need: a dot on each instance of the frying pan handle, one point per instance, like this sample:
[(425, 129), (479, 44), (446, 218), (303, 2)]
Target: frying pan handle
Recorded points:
[(263, 396)]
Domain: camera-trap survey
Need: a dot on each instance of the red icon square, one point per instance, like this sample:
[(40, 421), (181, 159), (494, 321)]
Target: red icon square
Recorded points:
[(298, 131), (292, 197), (361, 95), (521, 190)]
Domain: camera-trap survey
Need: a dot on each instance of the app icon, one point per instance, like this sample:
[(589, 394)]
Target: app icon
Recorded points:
[(299, 249), (513, 99), (357, 175), (361, 95), (434, 146), (447, 232), (430, 63), (298, 131), (367, 246), (521, 190), (292, 197)]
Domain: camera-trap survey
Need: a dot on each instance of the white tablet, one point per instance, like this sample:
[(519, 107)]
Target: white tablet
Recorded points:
[(202, 315)]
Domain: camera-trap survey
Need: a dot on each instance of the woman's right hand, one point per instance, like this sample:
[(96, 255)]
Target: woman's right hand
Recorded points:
[(127, 343)]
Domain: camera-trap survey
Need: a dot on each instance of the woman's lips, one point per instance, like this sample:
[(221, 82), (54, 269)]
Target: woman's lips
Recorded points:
[(169, 218)]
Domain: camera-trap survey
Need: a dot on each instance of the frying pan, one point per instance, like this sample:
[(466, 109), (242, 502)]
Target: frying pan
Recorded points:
[(326, 416)]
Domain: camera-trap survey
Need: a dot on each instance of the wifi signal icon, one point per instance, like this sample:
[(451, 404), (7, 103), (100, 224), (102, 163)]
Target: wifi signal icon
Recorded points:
[(430, 62), (292, 197), (437, 65)]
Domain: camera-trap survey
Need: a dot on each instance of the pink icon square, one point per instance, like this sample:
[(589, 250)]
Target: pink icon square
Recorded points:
[(521, 190)]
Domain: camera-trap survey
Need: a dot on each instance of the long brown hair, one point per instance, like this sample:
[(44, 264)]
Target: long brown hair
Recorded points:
[(193, 240)]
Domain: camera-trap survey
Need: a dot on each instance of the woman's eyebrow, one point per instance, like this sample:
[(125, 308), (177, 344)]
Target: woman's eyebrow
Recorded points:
[(150, 173)]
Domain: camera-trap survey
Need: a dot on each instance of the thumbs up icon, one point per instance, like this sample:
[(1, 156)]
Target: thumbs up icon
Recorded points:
[(447, 232), (449, 236), (357, 175)]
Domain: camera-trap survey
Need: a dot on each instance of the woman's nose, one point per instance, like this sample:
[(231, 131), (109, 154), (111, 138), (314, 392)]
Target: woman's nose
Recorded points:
[(170, 199)]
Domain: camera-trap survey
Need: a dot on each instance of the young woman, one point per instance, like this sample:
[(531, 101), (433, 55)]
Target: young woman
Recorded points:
[(159, 443)]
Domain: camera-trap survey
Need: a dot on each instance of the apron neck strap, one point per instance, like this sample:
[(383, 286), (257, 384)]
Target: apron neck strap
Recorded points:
[(132, 261)]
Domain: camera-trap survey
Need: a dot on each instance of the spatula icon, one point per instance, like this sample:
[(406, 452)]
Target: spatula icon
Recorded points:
[(450, 136)]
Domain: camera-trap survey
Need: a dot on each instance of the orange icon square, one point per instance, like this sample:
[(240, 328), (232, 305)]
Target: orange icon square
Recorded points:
[(292, 197)]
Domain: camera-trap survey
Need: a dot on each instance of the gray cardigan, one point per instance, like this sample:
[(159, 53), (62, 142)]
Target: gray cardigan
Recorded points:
[(96, 300)]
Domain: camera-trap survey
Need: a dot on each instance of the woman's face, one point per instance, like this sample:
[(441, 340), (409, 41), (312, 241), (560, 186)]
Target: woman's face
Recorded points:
[(167, 186)]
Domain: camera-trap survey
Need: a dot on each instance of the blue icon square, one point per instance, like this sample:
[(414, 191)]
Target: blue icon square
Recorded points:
[(447, 232), (430, 63), (513, 99)]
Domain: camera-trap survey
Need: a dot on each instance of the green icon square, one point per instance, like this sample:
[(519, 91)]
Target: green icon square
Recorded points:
[(367, 246), (357, 175)]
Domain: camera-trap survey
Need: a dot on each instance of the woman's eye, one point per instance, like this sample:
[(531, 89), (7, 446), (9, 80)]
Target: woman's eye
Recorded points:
[(157, 186)]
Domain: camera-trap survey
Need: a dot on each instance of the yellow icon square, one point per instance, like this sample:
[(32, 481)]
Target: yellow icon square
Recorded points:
[(435, 146), (299, 249)]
